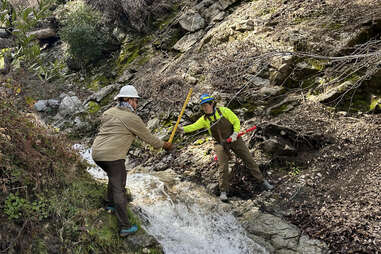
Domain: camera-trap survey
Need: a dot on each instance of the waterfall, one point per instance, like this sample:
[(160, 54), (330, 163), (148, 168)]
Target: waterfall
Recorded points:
[(182, 216)]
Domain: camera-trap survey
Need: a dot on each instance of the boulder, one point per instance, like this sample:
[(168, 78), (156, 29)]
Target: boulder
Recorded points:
[(102, 93), (70, 105), (332, 92), (192, 21), (187, 41), (41, 105), (266, 91)]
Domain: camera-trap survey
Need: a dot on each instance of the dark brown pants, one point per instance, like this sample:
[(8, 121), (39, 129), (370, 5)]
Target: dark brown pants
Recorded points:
[(241, 151), (116, 188)]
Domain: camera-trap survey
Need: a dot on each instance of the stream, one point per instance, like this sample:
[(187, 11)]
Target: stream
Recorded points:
[(182, 216)]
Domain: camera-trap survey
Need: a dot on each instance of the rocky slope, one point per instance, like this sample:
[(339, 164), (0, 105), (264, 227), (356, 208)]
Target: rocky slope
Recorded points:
[(307, 73)]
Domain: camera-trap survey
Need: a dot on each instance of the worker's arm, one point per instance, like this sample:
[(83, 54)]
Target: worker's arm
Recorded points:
[(233, 119), (136, 125), (199, 124)]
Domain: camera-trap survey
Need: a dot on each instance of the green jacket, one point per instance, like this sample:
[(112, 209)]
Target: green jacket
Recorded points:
[(204, 123)]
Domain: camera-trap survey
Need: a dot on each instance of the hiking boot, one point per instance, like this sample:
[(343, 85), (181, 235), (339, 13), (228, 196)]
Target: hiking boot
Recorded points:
[(223, 196), (267, 186), (128, 231)]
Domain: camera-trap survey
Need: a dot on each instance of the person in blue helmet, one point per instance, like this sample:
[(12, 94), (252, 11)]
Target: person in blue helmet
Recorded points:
[(222, 124)]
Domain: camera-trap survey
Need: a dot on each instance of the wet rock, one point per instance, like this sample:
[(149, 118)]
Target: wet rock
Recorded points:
[(144, 241), (261, 241), (281, 234), (308, 245)]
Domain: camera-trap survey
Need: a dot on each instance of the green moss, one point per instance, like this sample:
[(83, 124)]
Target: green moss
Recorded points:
[(93, 107), (332, 26), (94, 85), (131, 50), (374, 103), (317, 64)]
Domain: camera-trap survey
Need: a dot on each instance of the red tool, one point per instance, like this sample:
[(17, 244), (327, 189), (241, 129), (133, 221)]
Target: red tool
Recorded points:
[(239, 135), (242, 133)]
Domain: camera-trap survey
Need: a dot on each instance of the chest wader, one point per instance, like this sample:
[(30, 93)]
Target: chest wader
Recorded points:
[(221, 130)]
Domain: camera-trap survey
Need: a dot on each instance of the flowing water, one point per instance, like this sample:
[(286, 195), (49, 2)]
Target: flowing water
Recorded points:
[(181, 215)]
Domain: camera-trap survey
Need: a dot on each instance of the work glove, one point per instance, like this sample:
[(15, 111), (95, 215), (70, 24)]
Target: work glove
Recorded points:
[(168, 146), (234, 136)]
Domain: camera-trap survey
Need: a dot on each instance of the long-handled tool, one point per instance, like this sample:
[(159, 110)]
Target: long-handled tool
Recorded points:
[(228, 140), (242, 133), (181, 114)]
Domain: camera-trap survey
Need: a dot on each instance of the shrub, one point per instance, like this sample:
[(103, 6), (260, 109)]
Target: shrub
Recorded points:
[(85, 36)]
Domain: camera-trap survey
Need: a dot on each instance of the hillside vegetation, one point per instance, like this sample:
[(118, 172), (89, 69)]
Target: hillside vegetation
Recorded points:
[(49, 203)]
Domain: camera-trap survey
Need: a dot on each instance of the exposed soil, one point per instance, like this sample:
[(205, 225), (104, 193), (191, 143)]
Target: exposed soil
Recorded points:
[(338, 199)]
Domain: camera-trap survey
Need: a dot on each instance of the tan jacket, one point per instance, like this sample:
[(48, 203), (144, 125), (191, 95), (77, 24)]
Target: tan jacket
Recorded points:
[(118, 130)]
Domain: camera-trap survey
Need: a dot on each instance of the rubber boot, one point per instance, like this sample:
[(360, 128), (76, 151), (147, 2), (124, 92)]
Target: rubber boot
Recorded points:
[(128, 231)]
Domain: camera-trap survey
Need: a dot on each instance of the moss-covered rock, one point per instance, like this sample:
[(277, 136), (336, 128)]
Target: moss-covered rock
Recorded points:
[(93, 107)]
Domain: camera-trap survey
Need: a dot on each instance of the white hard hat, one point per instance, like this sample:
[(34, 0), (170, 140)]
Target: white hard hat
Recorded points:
[(127, 92)]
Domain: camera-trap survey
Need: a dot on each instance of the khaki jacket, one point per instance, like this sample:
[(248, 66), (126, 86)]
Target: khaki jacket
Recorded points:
[(118, 130)]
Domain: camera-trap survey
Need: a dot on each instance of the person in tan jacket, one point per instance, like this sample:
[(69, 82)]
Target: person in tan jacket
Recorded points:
[(120, 126)]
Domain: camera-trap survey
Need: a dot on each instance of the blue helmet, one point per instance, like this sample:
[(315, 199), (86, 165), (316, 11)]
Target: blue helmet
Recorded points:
[(206, 98)]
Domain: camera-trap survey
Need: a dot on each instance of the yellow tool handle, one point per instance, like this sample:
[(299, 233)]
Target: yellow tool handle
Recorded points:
[(181, 114)]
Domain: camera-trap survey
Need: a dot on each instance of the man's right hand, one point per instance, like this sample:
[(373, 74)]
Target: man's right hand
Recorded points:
[(168, 146)]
